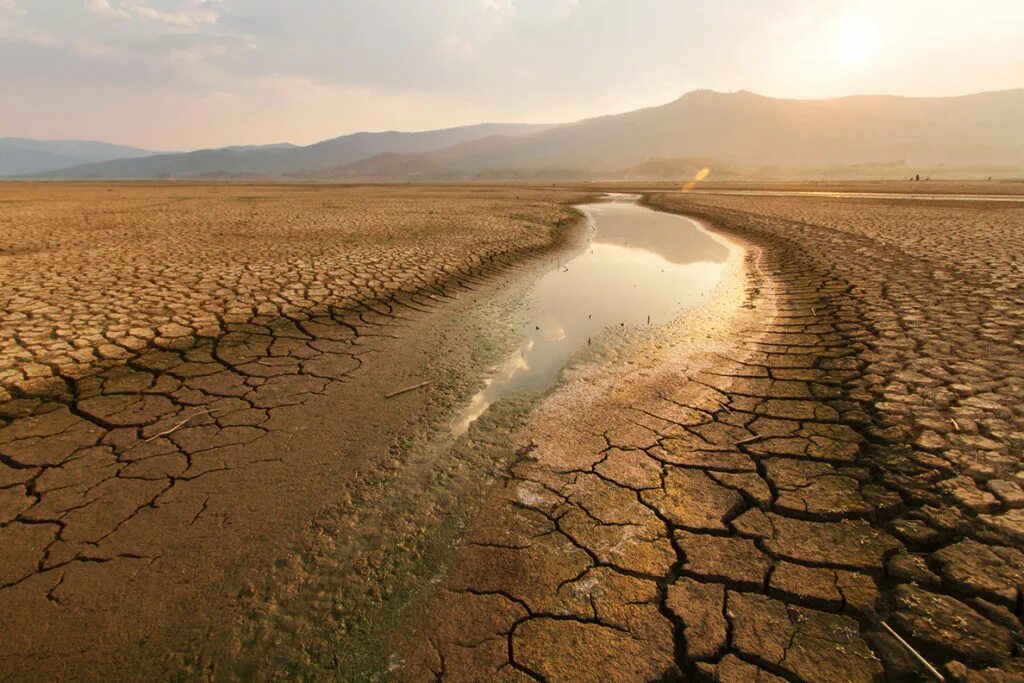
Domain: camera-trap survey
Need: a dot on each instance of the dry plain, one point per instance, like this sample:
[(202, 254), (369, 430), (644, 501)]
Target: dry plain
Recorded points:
[(837, 453), (847, 460), (176, 396)]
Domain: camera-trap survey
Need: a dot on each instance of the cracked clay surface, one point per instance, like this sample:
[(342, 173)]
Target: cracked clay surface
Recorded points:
[(851, 457), (161, 348)]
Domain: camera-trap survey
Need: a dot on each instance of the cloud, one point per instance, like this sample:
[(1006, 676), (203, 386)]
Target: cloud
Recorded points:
[(456, 47), (193, 14), (10, 8), (189, 14), (500, 10), (15, 29), (103, 7), (263, 70)]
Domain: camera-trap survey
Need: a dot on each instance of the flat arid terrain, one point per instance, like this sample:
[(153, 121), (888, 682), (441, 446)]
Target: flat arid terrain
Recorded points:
[(177, 389), (227, 450), (512, 340)]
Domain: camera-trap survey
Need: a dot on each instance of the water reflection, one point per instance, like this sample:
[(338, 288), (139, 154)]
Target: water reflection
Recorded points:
[(673, 238), (640, 267)]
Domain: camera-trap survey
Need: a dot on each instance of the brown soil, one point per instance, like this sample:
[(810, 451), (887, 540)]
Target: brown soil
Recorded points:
[(833, 442), (194, 393), (844, 453), (973, 187), (99, 273)]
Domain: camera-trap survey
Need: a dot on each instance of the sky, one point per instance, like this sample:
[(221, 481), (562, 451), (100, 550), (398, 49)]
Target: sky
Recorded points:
[(187, 74)]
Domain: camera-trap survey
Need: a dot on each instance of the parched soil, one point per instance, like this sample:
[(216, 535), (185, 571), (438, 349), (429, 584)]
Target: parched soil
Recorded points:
[(1000, 187), (191, 372), (95, 274), (766, 508)]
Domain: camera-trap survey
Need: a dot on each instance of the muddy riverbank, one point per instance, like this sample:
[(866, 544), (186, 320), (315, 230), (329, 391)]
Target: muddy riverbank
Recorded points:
[(562, 572), (811, 503), (780, 467), (807, 498), (145, 497), (360, 583)]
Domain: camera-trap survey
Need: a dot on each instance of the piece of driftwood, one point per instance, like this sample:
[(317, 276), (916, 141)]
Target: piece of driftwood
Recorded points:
[(917, 655), (179, 425), (407, 389)]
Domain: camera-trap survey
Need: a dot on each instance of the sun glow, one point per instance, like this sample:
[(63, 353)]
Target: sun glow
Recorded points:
[(855, 45)]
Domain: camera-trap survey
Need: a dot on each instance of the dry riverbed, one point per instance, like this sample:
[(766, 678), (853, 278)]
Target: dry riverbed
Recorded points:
[(824, 486), (193, 381), (829, 488), (822, 446)]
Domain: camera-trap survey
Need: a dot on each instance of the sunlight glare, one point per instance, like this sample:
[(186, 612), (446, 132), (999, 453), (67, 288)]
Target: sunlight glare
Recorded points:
[(699, 176), (855, 45)]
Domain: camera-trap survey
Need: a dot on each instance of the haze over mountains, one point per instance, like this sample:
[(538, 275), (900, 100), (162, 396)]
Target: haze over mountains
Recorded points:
[(22, 156), (284, 159), (741, 131)]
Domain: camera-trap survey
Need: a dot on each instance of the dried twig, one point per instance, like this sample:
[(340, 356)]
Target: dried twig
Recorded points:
[(956, 426), (751, 439), (917, 655), (179, 425), (407, 389)]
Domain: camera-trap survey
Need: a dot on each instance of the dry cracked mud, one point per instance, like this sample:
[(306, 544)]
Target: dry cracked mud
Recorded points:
[(96, 274), (847, 458), (841, 451), (174, 363)]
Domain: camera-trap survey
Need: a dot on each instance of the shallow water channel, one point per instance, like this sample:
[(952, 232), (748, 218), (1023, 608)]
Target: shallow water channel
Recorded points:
[(637, 267)]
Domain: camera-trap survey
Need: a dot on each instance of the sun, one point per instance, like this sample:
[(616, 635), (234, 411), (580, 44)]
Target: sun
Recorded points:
[(855, 45)]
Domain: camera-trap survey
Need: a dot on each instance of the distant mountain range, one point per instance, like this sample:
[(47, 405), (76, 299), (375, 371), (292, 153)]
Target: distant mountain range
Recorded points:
[(271, 161), (23, 156), (723, 130)]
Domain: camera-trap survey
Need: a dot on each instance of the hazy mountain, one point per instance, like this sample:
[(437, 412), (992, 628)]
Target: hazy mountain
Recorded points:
[(750, 129), (739, 131), (248, 148), (20, 156), (385, 167), (277, 160)]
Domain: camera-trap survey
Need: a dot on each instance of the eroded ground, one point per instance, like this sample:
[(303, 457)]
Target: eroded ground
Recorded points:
[(765, 507), (97, 273), (750, 498), (176, 401)]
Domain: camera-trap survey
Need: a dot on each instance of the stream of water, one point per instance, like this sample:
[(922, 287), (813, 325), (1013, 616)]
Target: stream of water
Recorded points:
[(638, 267)]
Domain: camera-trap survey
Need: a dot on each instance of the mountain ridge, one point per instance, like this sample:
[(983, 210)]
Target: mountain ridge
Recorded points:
[(20, 155), (277, 160), (738, 129)]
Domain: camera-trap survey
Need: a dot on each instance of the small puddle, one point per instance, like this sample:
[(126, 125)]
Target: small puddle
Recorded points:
[(638, 267)]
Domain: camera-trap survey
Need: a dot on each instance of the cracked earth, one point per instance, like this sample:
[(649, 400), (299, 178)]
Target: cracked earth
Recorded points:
[(849, 459), (159, 348), (841, 451)]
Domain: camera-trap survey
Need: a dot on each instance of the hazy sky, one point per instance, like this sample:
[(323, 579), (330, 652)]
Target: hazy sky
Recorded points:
[(181, 74)]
